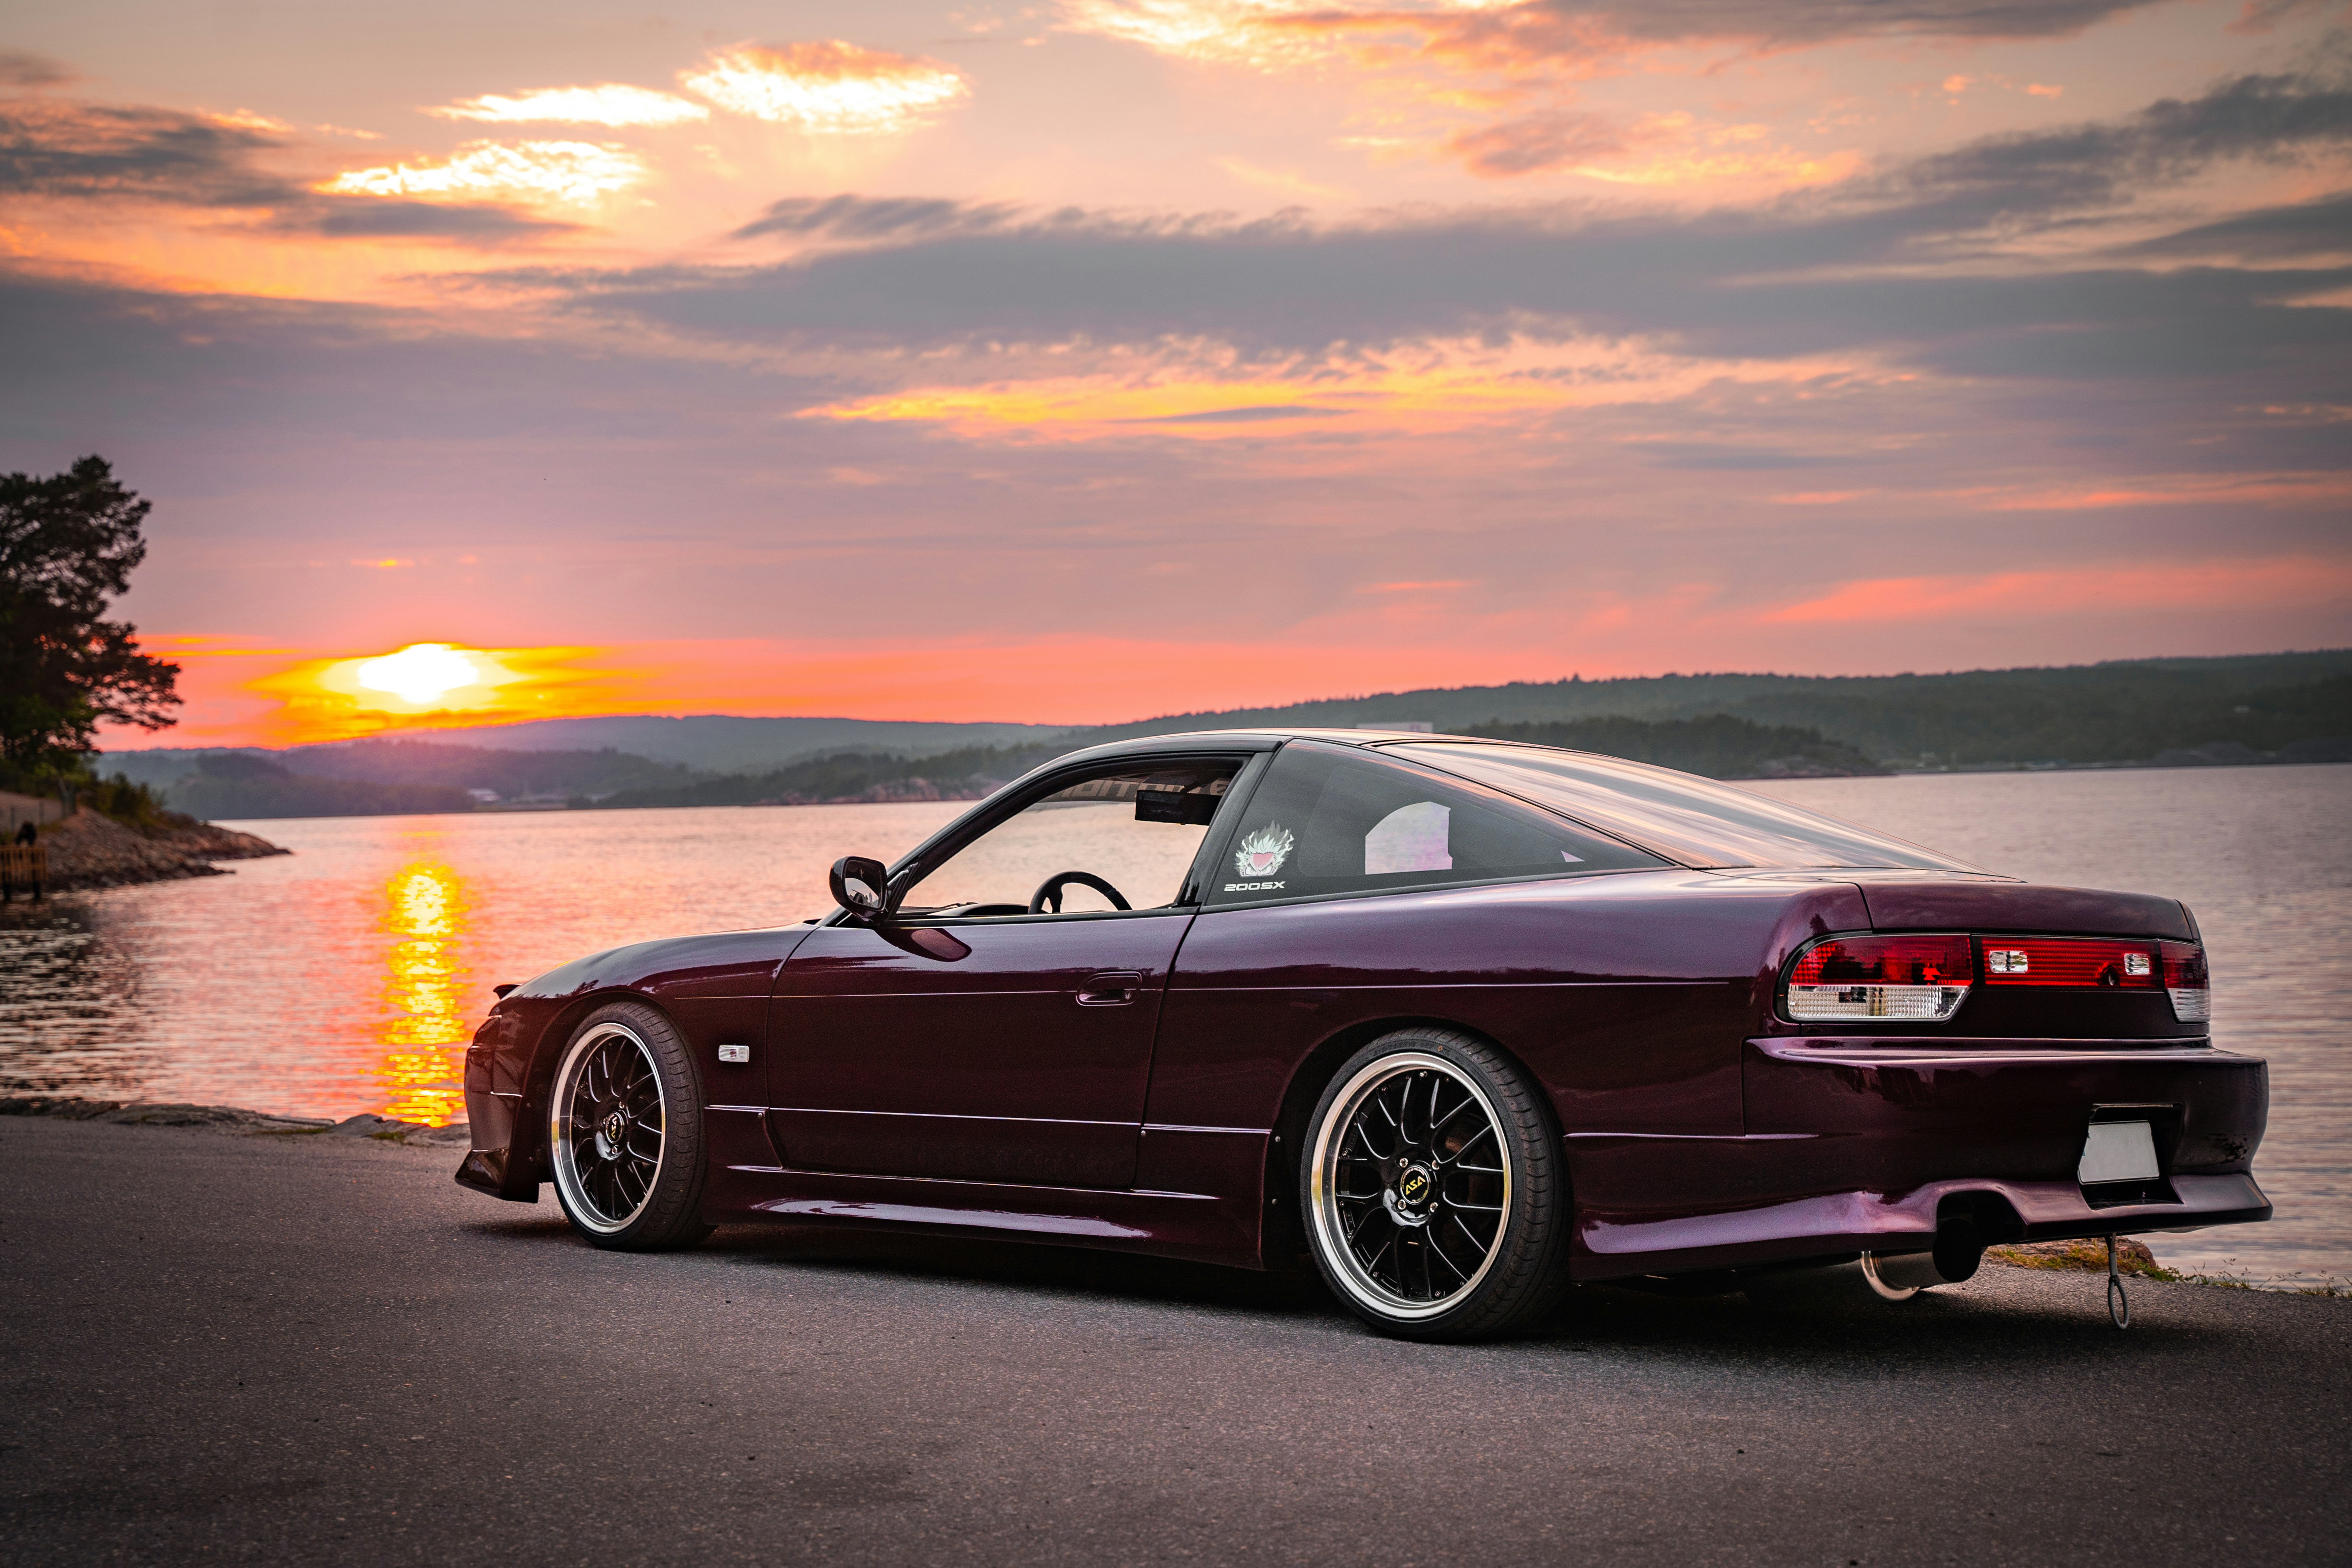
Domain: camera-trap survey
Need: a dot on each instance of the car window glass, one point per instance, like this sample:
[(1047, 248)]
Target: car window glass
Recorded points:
[(1332, 819), (1697, 821), (1139, 830)]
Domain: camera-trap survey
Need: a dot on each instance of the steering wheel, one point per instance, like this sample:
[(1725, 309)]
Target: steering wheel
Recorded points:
[(1048, 896)]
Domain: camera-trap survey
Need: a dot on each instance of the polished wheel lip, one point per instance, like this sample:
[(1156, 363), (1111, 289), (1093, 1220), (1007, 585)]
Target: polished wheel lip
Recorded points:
[(582, 1208), (1323, 1198)]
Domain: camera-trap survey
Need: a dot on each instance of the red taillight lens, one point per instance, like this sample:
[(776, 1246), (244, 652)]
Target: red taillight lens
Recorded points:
[(2071, 961), (1885, 959), (1916, 979), (2186, 978)]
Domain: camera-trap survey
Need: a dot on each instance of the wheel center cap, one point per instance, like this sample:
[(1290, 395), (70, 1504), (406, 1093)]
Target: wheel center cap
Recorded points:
[(615, 1128), (1414, 1195)]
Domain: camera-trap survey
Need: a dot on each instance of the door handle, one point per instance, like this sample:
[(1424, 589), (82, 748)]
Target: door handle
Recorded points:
[(1113, 988)]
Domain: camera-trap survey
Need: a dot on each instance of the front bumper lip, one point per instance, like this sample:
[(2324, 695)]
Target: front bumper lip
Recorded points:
[(489, 1166)]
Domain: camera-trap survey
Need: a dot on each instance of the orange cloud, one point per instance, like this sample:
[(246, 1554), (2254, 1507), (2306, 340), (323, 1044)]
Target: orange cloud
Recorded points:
[(1670, 149), (612, 103), (2167, 490), (579, 173), (1265, 33), (2290, 583), (834, 87), (1443, 387)]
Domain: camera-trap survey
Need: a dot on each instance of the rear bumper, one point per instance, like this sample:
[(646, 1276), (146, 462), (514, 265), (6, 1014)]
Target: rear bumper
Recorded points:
[(1861, 1221), (1855, 1144)]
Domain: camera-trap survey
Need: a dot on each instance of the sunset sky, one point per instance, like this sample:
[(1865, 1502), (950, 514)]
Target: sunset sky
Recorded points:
[(1090, 359)]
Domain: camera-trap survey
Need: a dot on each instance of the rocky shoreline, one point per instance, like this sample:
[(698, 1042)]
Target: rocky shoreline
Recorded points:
[(232, 1119), (89, 850)]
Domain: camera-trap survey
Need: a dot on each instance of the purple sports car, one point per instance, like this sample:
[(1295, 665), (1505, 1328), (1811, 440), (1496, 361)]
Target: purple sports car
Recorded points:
[(1460, 1021)]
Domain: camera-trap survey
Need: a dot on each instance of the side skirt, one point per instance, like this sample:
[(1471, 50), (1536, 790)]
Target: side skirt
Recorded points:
[(748, 1182)]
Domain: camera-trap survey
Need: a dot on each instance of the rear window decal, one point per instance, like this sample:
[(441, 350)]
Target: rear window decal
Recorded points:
[(1261, 854)]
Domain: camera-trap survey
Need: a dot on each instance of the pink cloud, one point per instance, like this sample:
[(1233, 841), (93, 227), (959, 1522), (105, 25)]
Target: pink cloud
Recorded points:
[(2287, 583)]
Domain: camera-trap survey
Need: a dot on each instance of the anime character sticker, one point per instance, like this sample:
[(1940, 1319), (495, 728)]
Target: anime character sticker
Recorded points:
[(1261, 854)]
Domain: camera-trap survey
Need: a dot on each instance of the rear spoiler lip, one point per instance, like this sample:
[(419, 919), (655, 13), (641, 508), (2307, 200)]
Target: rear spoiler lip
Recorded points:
[(2023, 908)]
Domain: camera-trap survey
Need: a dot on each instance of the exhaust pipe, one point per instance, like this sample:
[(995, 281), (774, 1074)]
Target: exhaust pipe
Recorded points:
[(1957, 1251)]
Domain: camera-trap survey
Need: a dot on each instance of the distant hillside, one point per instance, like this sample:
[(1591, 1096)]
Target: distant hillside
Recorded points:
[(965, 774), (2115, 713), (716, 743), (240, 788), (1717, 746), (509, 774), (184, 776), (2172, 713)]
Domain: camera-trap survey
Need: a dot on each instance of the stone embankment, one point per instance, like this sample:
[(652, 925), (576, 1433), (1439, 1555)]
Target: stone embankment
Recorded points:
[(231, 1119), (89, 850)]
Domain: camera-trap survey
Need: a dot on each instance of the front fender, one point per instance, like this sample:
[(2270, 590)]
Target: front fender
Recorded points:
[(513, 1058)]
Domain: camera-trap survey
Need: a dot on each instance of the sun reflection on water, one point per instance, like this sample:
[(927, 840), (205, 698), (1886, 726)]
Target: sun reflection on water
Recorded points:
[(425, 1028)]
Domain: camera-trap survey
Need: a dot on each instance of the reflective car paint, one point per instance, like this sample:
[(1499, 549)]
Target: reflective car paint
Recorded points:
[(965, 1084)]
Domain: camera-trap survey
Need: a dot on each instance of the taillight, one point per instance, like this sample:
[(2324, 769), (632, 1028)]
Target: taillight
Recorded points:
[(2185, 978), (1911, 978), (2071, 961)]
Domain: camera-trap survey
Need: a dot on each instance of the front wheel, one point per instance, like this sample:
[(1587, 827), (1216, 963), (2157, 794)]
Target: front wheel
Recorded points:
[(1435, 1191), (624, 1133)]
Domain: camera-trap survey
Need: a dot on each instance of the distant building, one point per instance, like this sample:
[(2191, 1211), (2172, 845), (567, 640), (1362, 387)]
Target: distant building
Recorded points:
[(1417, 726), (486, 797)]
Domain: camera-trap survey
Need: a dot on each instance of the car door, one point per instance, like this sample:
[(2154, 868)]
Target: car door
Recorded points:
[(968, 1039)]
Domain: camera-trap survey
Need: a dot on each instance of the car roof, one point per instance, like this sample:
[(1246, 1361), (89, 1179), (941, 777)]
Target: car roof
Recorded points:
[(1263, 738)]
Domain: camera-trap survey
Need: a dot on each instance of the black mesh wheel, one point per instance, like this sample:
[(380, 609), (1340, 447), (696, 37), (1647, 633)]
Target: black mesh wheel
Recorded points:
[(625, 1132), (1434, 1189)]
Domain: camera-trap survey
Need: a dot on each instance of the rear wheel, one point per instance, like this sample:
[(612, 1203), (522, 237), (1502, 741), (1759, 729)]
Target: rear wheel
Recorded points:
[(1435, 1192), (624, 1133)]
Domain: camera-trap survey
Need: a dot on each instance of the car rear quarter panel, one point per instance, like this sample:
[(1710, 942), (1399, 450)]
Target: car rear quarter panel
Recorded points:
[(1628, 997)]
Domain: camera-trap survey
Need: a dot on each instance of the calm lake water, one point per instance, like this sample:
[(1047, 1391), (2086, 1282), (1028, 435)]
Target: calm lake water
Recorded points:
[(349, 976)]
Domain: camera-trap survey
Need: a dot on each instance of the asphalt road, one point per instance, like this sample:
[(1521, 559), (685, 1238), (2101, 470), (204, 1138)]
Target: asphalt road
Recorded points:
[(302, 1350)]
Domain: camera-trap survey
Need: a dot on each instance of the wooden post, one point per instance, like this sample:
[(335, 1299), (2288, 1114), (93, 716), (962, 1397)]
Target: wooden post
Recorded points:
[(26, 864)]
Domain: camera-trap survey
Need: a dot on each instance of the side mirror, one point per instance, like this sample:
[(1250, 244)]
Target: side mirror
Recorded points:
[(858, 885)]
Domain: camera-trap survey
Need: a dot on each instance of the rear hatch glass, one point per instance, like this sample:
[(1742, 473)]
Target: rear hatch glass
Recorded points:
[(1696, 821)]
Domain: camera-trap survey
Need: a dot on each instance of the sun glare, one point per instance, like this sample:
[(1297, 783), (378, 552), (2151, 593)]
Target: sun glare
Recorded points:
[(419, 673), (436, 685)]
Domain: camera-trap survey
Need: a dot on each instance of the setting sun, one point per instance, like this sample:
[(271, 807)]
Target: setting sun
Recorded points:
[(432, 685), (419, 673)]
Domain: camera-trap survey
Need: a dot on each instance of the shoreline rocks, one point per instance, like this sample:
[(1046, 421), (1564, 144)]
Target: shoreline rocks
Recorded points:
[(89, 850), (232, 1119)]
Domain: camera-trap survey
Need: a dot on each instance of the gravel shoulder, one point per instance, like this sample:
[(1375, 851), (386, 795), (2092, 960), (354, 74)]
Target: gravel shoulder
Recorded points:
[(254, 1344)]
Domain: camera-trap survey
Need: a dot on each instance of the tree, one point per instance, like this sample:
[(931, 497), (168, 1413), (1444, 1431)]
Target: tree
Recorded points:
[(69, 544)]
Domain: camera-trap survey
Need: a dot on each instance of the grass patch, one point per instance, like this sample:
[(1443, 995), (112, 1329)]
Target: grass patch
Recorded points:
[(2132, 1257)]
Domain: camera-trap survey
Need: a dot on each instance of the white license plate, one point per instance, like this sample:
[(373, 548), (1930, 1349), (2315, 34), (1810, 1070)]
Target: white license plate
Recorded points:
[(2119, 1151)]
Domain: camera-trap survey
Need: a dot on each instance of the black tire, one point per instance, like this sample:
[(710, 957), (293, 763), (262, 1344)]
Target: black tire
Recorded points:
[(1425, 1230), (624, 1133)]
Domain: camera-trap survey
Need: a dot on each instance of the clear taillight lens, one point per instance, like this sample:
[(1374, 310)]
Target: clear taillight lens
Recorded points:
[(1910, 978), (2185, 979)]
